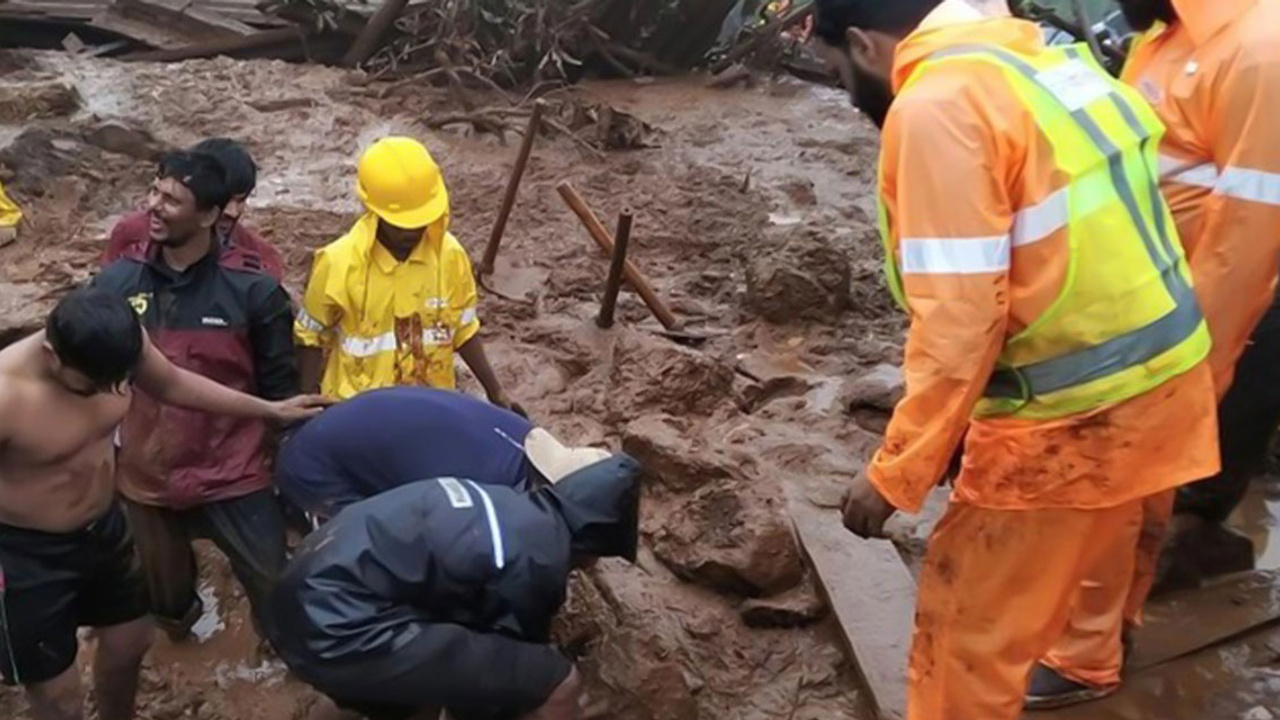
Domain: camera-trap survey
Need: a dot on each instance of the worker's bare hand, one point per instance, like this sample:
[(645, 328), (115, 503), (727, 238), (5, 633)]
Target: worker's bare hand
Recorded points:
[(563, 702), (300, 407), (865, 509)]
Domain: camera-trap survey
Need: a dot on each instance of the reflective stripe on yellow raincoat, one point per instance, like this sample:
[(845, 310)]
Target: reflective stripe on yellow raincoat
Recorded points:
[(10, 213), (385, 322)]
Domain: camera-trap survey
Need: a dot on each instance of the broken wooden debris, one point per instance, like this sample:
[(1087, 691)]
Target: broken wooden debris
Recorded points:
[(633, 275), (765, 35), (183, 15), (226, 46), (1182, 622)]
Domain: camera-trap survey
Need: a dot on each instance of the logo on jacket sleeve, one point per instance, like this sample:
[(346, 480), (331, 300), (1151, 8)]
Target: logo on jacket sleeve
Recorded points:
[(140, 302), (459, 498)]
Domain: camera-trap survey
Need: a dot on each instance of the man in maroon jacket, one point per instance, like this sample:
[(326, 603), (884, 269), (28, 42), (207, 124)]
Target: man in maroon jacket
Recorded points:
[(212, 308), (242, 177)]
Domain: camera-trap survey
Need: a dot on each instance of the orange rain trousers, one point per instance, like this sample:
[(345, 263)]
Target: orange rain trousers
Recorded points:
[(1083, 653), (996, 592)]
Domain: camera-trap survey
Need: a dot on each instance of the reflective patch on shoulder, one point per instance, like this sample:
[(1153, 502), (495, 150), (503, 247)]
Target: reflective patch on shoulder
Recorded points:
[(1074, 83), (459, 496)]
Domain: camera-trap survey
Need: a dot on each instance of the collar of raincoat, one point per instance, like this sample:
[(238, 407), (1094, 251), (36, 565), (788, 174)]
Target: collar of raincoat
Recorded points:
[(366, 230), (960, 22)]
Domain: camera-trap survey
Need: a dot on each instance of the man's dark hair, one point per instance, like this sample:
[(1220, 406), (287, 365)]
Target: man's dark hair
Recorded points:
[(199, 172), (98, 334), (242, 173), (835, 17)]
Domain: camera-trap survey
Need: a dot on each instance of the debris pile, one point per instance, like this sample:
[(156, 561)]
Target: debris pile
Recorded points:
[(455, 43)]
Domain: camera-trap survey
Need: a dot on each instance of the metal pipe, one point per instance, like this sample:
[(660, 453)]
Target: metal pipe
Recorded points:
[(613, 283), (633, 275), (513, 187)]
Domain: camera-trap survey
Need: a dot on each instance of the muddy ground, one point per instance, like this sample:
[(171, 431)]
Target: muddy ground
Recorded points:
[(753, 218)]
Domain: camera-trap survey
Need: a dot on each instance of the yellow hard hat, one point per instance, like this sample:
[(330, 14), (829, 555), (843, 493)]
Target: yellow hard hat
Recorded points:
[(400, 182)]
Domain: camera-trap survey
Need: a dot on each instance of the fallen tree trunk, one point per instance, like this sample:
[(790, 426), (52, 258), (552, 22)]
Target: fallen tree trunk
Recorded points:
[(374, 33)]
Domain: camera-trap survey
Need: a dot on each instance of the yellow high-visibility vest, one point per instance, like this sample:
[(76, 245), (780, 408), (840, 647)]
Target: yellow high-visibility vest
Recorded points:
[(1126, 318)]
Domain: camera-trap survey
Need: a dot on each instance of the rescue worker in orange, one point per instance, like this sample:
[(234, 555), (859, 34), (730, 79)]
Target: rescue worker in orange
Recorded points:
[(1054, 331), (1211, 70), (394, 299)]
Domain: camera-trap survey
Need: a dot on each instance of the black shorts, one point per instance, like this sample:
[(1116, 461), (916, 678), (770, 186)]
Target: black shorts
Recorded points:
[(59, 582)]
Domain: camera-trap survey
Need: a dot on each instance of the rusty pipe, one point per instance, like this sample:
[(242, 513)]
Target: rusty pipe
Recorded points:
[(613, 283), (632, 274), (513, 187)]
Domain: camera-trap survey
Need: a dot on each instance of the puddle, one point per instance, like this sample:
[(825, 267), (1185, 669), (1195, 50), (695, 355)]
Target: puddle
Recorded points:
[(1258, 518)]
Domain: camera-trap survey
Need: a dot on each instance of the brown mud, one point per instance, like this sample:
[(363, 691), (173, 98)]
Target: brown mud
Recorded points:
[(753, 219)]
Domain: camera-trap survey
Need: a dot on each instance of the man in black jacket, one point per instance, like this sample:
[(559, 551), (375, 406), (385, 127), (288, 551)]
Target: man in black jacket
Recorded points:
[(440, 595), (211, 308)]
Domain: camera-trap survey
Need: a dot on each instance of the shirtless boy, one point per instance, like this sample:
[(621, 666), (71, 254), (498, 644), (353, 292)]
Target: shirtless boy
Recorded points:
[(65, 550)]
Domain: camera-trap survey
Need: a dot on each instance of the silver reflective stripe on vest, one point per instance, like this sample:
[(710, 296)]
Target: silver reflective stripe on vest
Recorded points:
[(1136, 346)]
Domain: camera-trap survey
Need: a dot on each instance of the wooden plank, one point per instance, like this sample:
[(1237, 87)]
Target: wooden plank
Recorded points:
[(226, 46), (1181, 623), (872, 595), (183, 15)]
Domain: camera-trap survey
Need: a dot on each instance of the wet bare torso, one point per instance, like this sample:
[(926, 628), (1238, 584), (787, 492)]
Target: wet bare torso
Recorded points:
[(57, 460)]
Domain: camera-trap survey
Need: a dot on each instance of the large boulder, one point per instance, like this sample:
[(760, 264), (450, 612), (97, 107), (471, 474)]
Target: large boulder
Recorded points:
[(662, 376), (802, 278), (675, 458), (732, 536)]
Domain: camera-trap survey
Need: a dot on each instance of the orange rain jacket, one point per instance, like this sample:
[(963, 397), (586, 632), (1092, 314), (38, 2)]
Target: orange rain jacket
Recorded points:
[(960, 159), (1214, 79)]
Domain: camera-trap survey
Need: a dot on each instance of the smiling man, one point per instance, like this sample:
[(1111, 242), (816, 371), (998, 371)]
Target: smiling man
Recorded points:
[(212, 309), (130, 235)]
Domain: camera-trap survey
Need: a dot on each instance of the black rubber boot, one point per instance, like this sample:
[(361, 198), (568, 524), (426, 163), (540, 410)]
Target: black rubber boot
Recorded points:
[(1049, 690)]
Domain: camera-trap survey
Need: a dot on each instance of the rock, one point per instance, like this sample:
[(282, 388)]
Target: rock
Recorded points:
[(797, 607), (22, 102), (880, 388), (871, 397), (117, 138), (673, 457), (733, 536), (666, 377), (23, 309), (1258, 713), (804, 279)]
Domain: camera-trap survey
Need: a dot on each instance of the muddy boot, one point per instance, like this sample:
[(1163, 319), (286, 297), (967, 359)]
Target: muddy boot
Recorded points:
[(179, 630), (1048, 690)]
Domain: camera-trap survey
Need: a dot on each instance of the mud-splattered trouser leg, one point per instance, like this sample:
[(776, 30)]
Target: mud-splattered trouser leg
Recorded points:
[(249, 530), (996, 591)]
